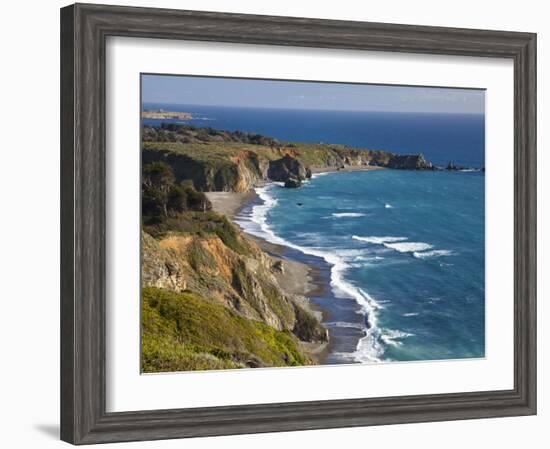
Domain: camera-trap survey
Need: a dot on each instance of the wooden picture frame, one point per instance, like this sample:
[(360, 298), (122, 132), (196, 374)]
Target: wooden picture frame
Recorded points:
[(84, 29)]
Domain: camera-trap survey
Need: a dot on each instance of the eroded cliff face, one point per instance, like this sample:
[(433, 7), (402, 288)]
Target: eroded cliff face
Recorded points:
[(243, 282), (236, 162), (237, 173), (160, 268), (409, 162)]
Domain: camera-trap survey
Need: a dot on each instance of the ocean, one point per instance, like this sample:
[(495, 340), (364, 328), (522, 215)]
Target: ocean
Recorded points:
[(402, 252), (442, 138)]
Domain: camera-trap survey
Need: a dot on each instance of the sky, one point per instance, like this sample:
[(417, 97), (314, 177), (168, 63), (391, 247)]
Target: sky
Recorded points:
[(236, 92)]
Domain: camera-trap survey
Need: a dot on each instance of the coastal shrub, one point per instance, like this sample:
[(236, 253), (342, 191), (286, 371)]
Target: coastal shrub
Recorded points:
[(184, 331), (177, 199), (307, 327), (199, 257), (196, 200), (230, 236), (173, 132)]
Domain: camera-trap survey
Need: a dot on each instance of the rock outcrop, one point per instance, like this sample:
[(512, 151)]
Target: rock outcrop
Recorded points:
[(293, 183), (159, 268), (409, 162), (451, 166), (240, 277), (286, 168), (234, 161)]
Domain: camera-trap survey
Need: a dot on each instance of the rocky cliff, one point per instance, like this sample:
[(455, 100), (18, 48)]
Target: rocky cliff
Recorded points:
[(409, 162), (215, 262), (224, 161)]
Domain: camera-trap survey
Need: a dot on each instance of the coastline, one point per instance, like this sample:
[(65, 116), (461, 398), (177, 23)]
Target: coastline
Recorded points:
[(301, 279), (298, 279), (345, 169)]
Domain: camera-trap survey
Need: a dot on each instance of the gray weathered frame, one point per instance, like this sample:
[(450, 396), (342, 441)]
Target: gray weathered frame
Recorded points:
[(84, 29)]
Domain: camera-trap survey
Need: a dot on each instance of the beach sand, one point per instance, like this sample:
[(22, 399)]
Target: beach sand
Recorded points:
[(296, 278), (230, 203)]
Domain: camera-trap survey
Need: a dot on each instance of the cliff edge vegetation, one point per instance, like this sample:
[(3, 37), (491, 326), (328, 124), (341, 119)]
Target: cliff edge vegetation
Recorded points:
[(236, 161), (210, 297)]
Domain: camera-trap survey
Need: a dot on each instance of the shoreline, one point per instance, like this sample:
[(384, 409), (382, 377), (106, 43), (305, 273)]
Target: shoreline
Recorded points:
[(298, 279), (345, 169), (231, 203)]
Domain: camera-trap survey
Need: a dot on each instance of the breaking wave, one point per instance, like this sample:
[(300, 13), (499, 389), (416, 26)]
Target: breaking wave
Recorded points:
[(370, 346), (348, 214), (434, 253)]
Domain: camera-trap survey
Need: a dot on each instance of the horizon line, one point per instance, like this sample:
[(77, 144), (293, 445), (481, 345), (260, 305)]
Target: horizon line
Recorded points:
[(313, 109)]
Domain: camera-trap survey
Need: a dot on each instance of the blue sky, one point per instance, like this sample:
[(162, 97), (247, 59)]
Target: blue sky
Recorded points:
[(204, 91)]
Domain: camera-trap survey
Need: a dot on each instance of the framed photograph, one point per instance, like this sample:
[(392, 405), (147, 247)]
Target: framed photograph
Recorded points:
[(274, 223)]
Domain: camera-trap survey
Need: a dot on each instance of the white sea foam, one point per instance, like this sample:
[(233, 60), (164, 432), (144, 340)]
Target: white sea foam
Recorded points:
[(410, 314), (371, 346), (396, 243), (368, 348), (378, 240), (433, 253), (418, 249), (348, 214), (367, 258), (344, 324), (408, 247), (393, 337)]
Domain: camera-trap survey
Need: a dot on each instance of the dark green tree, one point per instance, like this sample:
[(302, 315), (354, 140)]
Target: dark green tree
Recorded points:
[(157, 182), (177, 199)]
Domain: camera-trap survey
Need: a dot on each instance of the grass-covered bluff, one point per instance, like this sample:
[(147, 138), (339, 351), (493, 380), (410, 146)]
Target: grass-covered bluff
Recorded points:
[(234, 161), (185, 331)]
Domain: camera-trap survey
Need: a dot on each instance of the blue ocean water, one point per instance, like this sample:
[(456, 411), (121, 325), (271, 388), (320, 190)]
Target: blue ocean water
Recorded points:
[(405, 257), (442, 138), (402, 252)]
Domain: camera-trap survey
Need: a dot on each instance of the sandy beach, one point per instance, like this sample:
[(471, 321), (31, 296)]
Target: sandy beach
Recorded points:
[(230, 203), (297, 278)]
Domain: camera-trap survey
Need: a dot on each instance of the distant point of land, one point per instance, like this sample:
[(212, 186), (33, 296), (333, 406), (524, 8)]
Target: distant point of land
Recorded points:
[(161, 114)]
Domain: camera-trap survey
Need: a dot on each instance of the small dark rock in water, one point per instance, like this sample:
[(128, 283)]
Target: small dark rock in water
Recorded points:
[(299, 204), (293, 183), (452, 166)]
